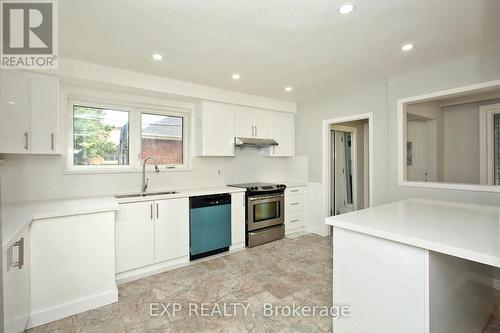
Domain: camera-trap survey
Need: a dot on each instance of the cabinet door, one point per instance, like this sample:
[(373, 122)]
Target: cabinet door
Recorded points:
[(238, 219), (44, 115), (283, 128), (134, 236), (14, 112), (171, 229), (262, 123), (217, 129), (16, 283), (243, 122)]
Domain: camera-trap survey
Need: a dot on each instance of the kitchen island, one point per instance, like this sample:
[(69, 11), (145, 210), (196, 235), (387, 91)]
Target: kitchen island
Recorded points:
[(416, 266)]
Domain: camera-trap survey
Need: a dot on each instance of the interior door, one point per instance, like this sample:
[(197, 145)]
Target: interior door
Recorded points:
[(416, 151), (171, 229), (343, 172), (134, 236)]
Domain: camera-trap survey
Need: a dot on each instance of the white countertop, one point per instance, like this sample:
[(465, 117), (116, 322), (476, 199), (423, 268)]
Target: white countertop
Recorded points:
[(293, 184), (184, 193), (470, 232), (16, 216)]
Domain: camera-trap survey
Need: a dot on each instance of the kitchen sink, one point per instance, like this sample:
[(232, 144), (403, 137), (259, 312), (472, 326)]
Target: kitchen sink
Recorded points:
[(148, 194)]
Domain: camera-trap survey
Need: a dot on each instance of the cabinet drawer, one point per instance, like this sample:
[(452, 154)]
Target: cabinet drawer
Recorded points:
[(295, 191), (294, 203), (294, 220)]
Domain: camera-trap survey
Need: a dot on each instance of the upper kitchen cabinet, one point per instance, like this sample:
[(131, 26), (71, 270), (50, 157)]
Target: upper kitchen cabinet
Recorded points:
[(252, 123), (215, 129), (29, 116), (283, 129)]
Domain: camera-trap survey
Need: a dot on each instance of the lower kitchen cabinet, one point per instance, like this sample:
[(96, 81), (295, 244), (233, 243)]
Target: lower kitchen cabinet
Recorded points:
[(16, 282), (171, 229), (134, 236), (295, 201), (151, 232)]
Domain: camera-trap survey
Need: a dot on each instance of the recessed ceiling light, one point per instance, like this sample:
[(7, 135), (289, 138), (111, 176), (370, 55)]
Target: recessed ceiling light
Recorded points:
[(407, 47), (288, 89), (11, 103), (236, 76), (346, 8), (157, 56)]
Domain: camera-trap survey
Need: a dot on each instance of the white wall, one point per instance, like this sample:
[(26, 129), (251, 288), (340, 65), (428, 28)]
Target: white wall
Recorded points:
[(381, 99)]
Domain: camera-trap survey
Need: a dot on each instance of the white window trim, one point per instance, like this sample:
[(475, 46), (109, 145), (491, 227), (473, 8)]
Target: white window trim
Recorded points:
[(135, 111), (401, 137), (486, 145)]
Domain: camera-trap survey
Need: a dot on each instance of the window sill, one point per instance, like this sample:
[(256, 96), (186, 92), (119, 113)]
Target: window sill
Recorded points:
[(97, 170)]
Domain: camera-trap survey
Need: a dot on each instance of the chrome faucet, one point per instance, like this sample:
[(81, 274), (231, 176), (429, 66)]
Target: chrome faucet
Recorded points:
[(145, 180)]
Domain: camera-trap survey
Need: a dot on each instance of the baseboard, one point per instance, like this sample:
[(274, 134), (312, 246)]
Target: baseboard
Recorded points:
[(69, 309), (317, 230), (237, 246), (142, 272)]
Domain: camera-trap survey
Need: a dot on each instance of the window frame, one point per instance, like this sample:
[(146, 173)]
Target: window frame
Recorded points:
[(135, 110), (185, 141)]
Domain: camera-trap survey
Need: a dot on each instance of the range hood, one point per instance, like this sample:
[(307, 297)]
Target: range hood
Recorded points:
[(254, 142)]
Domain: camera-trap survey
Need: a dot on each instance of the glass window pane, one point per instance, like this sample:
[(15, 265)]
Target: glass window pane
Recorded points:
[(162, 138), (100, 136)]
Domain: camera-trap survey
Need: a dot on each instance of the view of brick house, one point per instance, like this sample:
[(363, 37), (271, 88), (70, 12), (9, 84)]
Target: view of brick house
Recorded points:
[(162, 138)]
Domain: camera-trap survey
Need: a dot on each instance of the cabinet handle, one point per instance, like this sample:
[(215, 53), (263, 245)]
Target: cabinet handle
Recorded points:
[(26, 146), (256, 131), (294, 190), (294, 203), (52, 144), (151, 208), (157, 211), (294, 221), (253, 130), (20, 261)]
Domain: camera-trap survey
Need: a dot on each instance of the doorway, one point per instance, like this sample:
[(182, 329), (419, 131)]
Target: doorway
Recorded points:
[(347, 164)]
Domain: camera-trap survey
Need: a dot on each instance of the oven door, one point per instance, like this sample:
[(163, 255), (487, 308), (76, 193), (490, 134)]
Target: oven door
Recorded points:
[(265, 211)]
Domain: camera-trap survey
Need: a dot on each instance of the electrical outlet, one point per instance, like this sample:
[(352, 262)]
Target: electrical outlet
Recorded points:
[(219, 172)]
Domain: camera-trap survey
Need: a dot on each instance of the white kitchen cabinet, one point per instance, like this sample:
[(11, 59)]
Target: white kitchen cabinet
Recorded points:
[(134, 236), (14, 112), (29, 105), (171, 234), (295, 209), (243, 122), (215, 129), (252, 123), (44, 115), (16, 282), (283, 129), (238, 220), (263, 124), (151, 232)]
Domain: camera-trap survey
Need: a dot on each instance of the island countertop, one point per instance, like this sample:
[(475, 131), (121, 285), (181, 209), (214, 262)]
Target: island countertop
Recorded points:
[(466, 231)]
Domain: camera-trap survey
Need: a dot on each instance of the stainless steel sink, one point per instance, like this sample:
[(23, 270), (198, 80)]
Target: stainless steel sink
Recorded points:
[(137, 195)]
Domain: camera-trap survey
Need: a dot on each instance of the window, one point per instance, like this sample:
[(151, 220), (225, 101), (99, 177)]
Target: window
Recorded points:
[(117, 138), (162, 138), (100, 136)]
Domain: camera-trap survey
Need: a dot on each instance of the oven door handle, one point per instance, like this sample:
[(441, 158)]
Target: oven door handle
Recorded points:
[(267, 198)]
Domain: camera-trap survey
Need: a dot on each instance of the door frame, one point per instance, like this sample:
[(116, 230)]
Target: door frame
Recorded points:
[(354, 188), (327, 148)]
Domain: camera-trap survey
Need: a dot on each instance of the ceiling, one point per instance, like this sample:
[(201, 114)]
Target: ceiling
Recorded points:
[(278, 43)]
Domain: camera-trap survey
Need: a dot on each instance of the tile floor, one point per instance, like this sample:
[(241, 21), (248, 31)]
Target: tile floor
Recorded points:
[(290, 270), (283, 272)]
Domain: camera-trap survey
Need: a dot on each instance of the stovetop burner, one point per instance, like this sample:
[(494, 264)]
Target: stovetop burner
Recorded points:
[(260, 187)]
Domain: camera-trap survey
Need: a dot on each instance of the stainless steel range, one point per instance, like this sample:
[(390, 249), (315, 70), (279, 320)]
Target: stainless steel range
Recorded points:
[(265, 212)]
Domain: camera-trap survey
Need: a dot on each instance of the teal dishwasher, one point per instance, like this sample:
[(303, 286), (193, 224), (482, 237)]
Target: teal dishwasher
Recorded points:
[(209, 225)]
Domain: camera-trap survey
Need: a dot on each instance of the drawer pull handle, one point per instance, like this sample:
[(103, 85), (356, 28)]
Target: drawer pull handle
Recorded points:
[(294, 190), (294, 203), (20, 260), (294, 221)]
